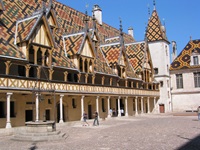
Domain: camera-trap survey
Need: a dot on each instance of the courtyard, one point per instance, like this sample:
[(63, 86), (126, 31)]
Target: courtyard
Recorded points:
[(148, 132)]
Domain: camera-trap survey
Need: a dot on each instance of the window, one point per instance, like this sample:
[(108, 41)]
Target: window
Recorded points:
[(179, 81), (156, 70), (195, 60), (197, 79), (161, 83)]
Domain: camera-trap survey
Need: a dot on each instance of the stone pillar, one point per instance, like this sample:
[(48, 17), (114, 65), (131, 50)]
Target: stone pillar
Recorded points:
[(8, 123), (119, 111), (142, 106), (126, 104), (82, 106), (97, 105), (148, 105), (8, 64), (27, 70), (154, 102), (136, 105), (61, 108), (37, 107), (108, 101), (83, 64)]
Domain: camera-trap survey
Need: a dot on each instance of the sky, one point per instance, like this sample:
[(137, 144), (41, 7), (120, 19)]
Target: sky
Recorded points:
[(181, 17)]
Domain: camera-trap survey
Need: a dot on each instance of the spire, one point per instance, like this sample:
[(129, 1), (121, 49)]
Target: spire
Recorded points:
[(148, 11), (121, 32), (154, 4), (120, 21), (94, 20), (86, 19)]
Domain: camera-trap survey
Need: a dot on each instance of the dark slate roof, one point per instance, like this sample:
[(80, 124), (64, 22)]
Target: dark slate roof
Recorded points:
[(182, 61)]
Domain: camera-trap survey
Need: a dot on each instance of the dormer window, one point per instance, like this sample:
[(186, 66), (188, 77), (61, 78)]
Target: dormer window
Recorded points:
[(195, 60)]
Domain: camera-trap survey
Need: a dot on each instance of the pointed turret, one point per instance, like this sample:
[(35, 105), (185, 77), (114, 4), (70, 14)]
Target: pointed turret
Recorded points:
[(155, 30)]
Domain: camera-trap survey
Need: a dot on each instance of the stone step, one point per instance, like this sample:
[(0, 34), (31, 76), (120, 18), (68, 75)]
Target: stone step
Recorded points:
[(39, 137)]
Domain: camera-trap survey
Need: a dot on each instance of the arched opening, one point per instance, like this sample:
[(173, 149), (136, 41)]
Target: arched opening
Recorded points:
[(81, 64), (39, 57)]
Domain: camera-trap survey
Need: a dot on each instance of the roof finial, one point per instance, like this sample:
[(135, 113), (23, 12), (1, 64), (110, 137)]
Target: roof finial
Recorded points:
[(154, 4), (120, 21), (86, 18), (148, 10), (190, 38), (94, 20)]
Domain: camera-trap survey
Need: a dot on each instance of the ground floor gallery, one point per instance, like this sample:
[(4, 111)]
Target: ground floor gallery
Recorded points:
[(16, 109)]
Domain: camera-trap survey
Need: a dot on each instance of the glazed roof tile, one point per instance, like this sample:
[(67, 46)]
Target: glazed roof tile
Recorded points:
[(154, 29), (135, 52), (183, 60)]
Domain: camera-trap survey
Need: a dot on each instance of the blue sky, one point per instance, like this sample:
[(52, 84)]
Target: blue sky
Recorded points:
[(181, 17)]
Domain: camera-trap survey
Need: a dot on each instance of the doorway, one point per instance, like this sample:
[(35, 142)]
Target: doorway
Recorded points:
[(89, 111), (28, 115), (47, 113)]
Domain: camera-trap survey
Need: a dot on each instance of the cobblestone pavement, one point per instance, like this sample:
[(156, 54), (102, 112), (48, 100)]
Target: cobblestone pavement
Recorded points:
[(149, 132)]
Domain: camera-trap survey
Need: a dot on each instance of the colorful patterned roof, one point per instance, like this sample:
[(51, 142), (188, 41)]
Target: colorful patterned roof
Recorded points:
[(112, 40), (155, 30), (24, 28), (136, 52), (102, 64), (182, 61), (1, 5), (68, 19), (112, 53), (73, 43)]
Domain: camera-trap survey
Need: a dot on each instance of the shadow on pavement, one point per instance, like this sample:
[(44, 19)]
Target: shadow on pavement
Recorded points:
[(192, 144)]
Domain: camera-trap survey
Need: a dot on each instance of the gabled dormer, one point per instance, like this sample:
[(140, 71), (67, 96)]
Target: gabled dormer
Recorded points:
[(34, 37), (78, 47)]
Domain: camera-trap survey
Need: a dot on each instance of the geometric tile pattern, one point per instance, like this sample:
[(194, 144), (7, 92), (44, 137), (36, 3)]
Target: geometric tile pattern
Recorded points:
[(182, 61), (112, 53), (112, 40), (154, 29), (136, 55), (73, 43), (69, 20)]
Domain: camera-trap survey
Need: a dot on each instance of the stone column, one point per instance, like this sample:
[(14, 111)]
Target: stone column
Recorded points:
[(126, 104), (108, 107), (142, 107), (136, 106), (154, 102), (37, 107), (148, 105), (82, 106), (8, 123), (97, 105), (119, 111), (61, 108)]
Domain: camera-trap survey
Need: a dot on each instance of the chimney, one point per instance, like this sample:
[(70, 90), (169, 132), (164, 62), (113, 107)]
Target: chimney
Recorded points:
[(98, 13), (130, 31), (174, 50)]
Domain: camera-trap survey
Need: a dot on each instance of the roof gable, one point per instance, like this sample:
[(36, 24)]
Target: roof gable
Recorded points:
[(87, 49), (183, 60)]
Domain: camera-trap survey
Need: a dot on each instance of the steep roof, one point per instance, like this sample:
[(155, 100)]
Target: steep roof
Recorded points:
[(136, 52), (155, 30), (183, 60)]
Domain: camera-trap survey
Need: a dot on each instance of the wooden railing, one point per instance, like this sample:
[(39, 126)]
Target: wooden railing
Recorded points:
[(78, 88)]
